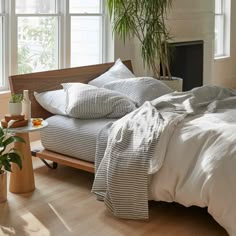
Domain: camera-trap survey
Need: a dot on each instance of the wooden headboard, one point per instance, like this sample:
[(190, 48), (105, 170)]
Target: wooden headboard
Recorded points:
[(51, 80)]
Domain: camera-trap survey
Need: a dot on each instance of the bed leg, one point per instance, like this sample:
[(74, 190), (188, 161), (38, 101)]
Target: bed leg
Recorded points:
[(50, 166)]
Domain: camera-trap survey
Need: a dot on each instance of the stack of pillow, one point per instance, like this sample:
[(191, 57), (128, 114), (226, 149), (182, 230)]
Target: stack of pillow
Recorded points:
[(112, 95)]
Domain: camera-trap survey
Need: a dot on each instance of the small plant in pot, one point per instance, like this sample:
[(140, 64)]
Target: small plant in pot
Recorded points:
[(7, 156), (15, 104)]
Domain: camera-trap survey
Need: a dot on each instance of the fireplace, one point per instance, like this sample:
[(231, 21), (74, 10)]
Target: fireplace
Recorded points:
[(187, 63)]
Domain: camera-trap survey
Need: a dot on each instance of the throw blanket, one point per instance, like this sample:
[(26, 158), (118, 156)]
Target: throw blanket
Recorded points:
[(122, 164), (137, 144)]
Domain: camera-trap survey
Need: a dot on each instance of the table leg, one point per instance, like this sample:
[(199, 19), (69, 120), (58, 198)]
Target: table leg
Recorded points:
[(22, 181)]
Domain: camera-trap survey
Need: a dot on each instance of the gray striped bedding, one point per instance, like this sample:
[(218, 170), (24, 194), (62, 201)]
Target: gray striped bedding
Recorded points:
[(72, 137), (122, 162), (140, 89), (89, 102)]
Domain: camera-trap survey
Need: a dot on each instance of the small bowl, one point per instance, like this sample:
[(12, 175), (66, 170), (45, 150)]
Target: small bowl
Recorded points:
[(37, 121)]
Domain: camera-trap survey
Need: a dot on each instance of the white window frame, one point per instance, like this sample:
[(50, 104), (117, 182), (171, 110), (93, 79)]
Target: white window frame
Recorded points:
[(4, 48), (102, 34), (222, 47), (64, 22), (13, 26)]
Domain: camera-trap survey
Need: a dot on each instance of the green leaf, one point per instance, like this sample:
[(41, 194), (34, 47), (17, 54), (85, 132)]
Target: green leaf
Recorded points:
[(144, 19), (15, 158), (18, 139), (1, 133), (8, 141), (5, 162), (2, 149), (13, 139), (3, 157), (7, 166)]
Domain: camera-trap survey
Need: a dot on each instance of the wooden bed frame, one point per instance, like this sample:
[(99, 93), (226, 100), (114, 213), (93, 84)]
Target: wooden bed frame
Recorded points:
[(51, 80)]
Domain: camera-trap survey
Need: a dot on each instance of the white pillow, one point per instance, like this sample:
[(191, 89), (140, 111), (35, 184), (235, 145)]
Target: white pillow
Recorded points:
[(117, 71), (140, 89), (52, 101), (88, 102)]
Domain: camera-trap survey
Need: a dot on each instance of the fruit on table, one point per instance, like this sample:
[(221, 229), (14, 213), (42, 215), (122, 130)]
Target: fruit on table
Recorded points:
[(37, 121)]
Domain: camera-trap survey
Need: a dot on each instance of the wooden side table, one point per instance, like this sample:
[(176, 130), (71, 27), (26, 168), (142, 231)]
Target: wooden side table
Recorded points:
[(22, 181)]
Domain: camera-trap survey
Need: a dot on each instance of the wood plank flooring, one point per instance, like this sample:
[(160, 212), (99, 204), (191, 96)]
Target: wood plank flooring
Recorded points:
[(62, 205)]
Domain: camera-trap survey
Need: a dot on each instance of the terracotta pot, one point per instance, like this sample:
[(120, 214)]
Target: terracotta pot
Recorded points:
[(3, 186)]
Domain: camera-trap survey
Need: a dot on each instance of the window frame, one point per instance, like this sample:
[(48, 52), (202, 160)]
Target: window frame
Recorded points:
[(14, 45), (102, 26), (222, 47), (3, 54), (64, 26)]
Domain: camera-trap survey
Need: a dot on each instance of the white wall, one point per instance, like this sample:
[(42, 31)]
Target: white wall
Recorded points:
[(225, 69), (194, 20)]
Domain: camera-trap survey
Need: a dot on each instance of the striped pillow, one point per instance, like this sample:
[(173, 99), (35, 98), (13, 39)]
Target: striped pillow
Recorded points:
[(116, 72), (88, 102), (140, 89)]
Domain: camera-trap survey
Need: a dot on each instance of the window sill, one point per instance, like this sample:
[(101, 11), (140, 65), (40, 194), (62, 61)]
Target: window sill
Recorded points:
[(5, 94), (222, 58)]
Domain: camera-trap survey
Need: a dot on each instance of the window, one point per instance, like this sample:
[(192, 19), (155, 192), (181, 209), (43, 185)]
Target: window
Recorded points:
[(86, 31), (37, 35), (2, 82), (49, 34), (222, 28)]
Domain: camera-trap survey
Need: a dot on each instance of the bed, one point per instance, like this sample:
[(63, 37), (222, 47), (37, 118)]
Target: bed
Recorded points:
[(179, 147), (51, 80)]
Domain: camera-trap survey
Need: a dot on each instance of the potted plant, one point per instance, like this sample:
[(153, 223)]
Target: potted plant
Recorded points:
[(145, 20), (15, 104), (7, 157)]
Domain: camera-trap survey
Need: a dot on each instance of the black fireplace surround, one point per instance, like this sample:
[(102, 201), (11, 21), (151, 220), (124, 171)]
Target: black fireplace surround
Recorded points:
[(187, 63)]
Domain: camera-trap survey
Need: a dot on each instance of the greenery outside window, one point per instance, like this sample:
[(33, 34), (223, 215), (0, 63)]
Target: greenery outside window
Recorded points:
[(49, 34), (37, 35)]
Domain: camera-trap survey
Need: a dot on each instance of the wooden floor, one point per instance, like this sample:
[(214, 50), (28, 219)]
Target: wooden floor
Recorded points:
[(63, 205)]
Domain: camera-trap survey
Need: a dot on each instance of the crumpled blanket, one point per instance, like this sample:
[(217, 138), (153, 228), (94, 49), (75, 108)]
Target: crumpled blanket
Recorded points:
[(135, 146)]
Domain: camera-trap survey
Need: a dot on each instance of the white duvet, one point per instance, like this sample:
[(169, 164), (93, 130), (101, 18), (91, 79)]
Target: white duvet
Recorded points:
[(199, 166), (194, 161)]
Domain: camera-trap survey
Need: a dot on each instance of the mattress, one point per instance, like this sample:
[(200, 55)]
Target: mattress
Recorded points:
[(72, 137)]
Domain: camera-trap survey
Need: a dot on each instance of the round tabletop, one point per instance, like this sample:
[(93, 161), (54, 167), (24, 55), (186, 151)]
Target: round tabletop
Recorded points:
[(29, 128)]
